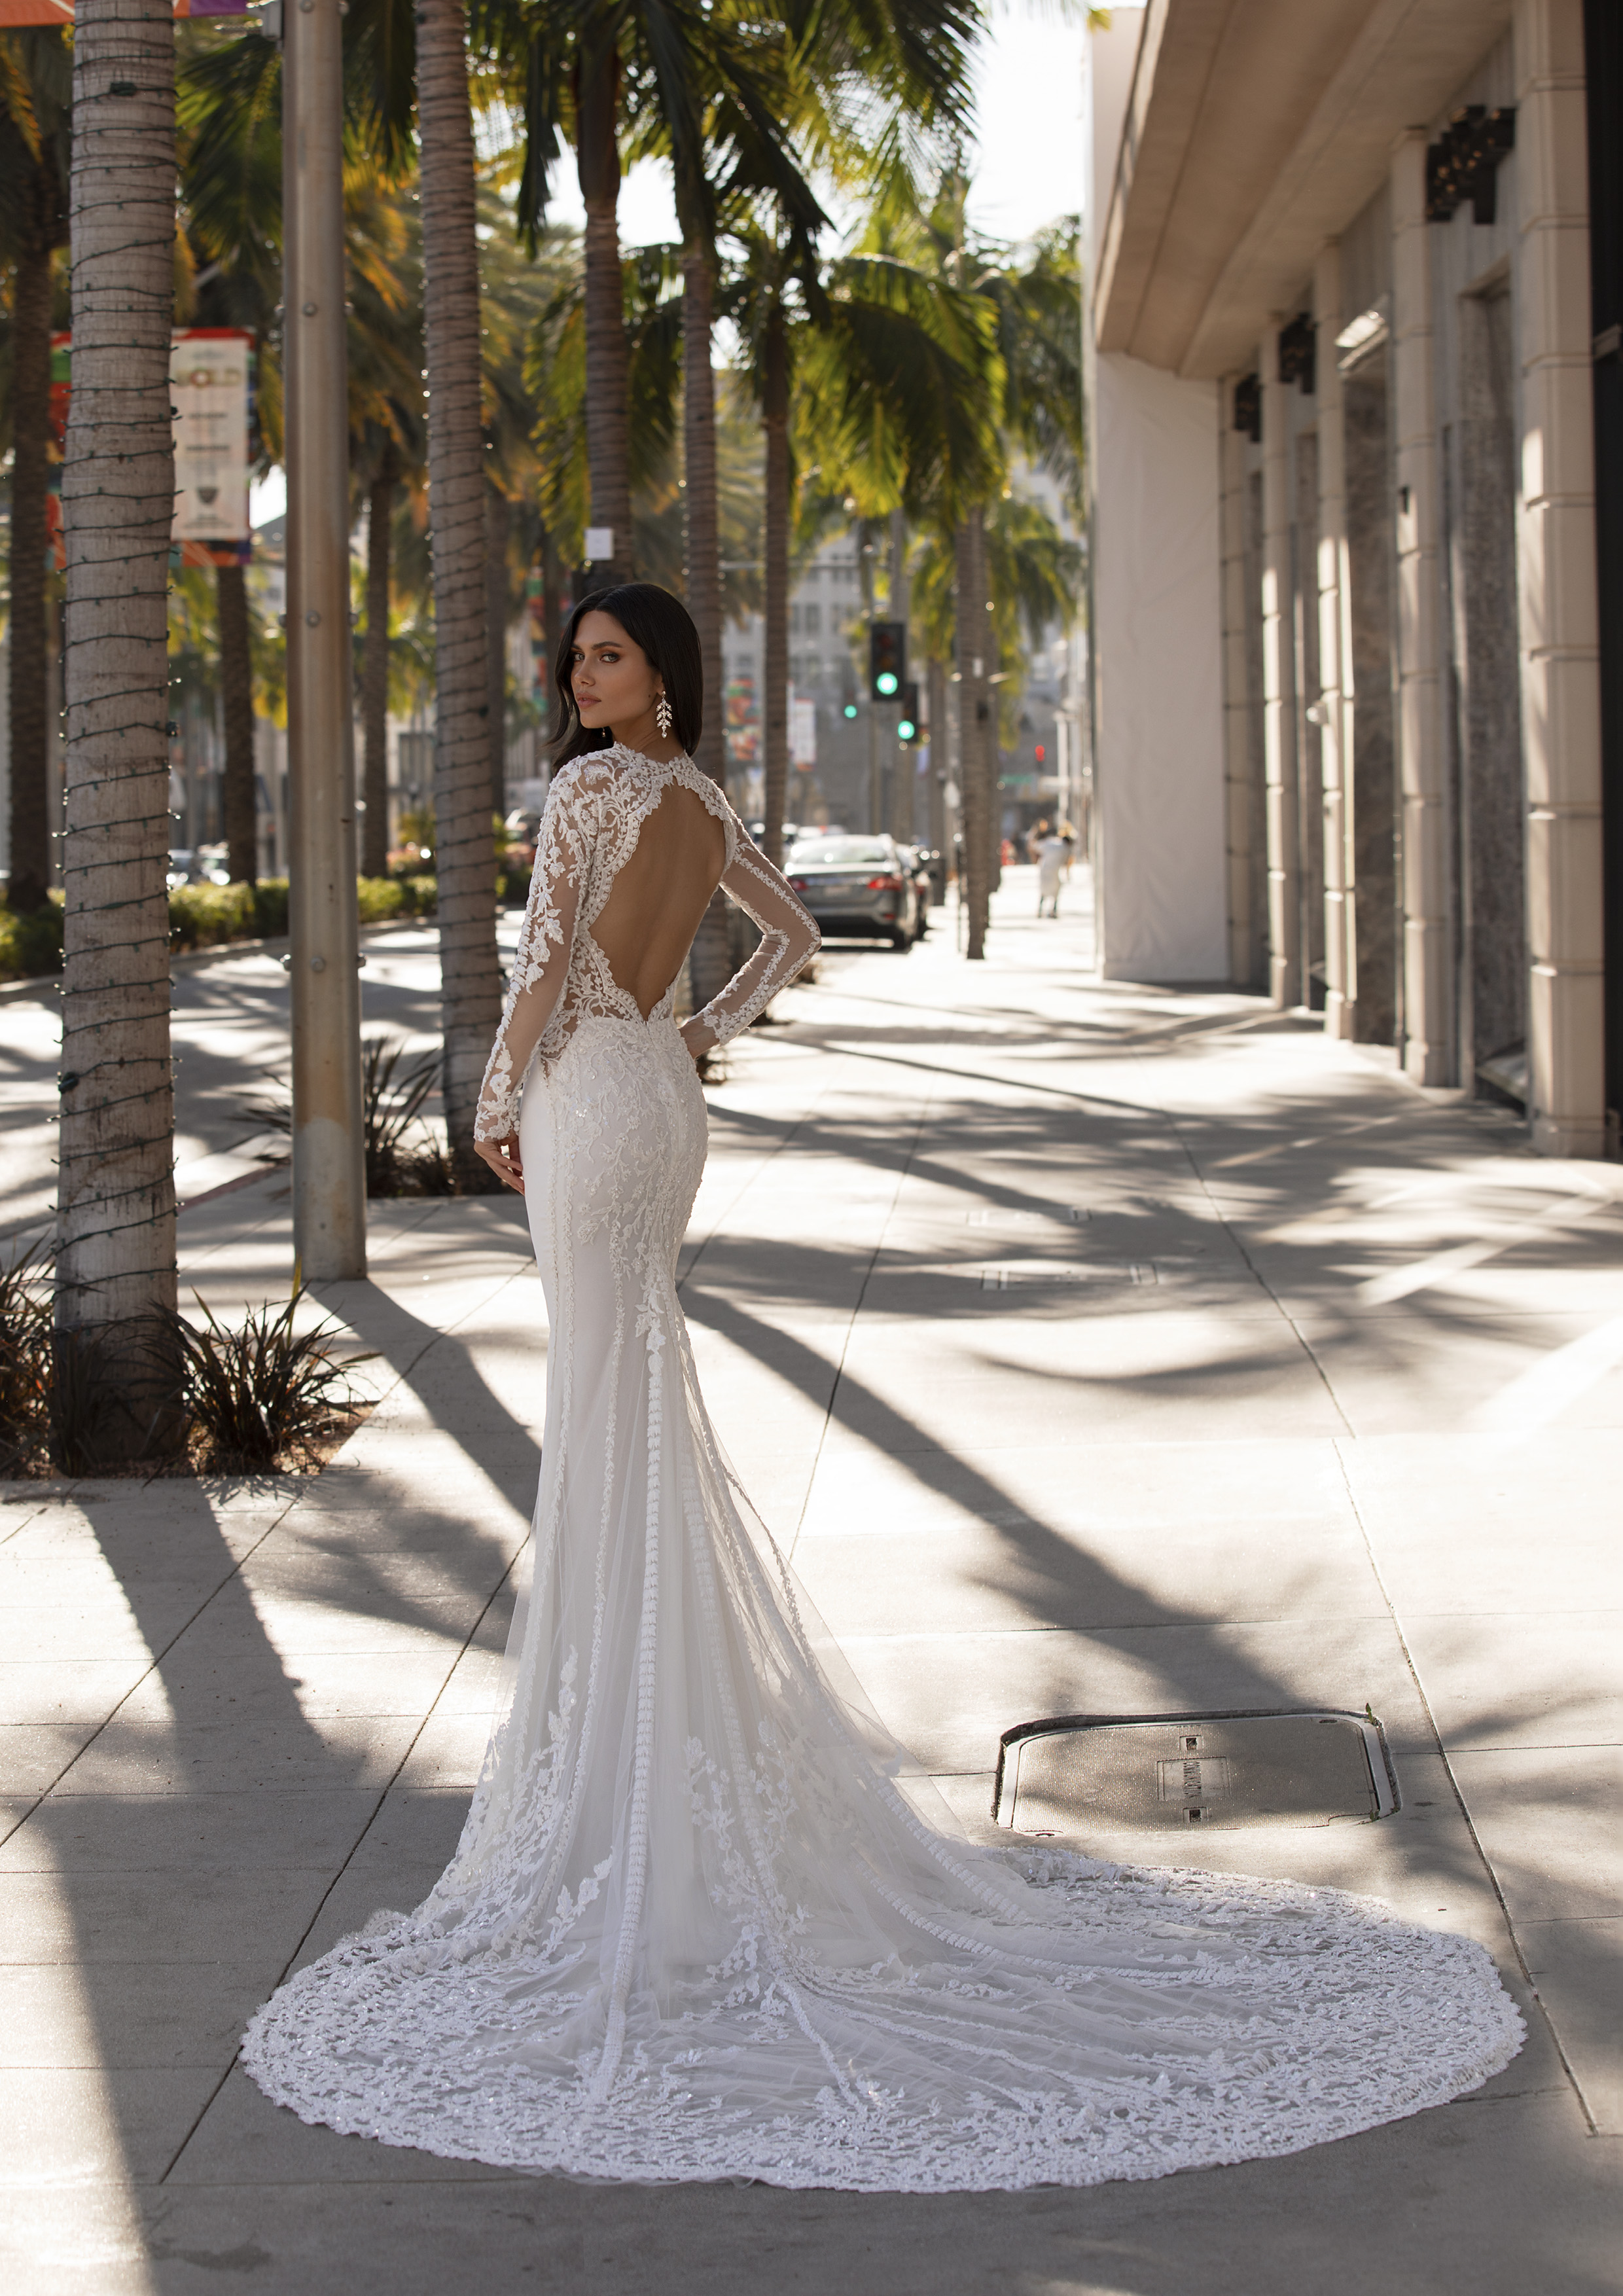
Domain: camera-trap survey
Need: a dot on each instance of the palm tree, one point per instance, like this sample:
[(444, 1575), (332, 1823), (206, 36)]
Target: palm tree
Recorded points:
[(878, 383), (35, 88), (1032, 311), (471, 988), (115, 1242)]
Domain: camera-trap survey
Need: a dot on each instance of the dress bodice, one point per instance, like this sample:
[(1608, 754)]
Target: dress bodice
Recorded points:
[(595, 813)]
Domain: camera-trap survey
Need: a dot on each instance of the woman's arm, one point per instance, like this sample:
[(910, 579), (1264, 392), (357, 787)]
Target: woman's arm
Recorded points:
[(789, 941), (539, 970)]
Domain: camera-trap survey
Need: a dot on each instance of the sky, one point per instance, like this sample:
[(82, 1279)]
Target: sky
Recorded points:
[(1027, 167)]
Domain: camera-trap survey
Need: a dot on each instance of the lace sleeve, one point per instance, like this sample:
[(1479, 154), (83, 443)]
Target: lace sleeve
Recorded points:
[(789, 941), (542, 963)]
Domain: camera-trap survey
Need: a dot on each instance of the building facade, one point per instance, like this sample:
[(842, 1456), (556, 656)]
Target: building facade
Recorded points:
[(1353, 312)]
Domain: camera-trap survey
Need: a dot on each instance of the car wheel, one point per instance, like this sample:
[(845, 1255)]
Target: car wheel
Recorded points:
[(901, 941)]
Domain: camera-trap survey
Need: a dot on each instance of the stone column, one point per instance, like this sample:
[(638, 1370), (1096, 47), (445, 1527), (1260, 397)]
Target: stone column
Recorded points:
[(1332, 702), (1286, 982), (1245, 960), (1426, 1018), (1557, 587)]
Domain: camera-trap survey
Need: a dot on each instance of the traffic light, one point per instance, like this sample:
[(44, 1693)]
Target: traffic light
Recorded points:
[(850, 709), (908, 729), (887, 659)]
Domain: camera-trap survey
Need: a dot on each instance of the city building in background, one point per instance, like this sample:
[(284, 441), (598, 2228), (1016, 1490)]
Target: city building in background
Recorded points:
[(1353, 308)]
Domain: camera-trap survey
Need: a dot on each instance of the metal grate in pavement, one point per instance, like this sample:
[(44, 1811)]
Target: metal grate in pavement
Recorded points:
[(1168, 1773), (994, 1215), (1018, 1274)]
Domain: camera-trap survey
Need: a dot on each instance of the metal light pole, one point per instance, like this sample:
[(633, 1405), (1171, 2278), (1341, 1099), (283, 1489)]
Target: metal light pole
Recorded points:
[(329, 1169)]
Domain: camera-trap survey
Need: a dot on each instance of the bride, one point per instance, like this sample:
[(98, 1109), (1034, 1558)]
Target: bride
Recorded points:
[(702, 1923)]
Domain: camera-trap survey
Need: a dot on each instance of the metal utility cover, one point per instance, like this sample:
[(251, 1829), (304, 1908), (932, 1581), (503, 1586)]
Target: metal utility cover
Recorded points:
[(1171, 1773)]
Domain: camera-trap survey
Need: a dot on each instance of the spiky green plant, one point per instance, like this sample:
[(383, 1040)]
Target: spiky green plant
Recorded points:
[(264, 1395)]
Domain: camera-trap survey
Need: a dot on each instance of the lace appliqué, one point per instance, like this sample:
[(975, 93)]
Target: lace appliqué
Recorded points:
[(594, 814)]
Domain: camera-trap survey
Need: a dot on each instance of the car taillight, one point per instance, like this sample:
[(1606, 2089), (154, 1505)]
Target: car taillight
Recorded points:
[(800, 885), (884, 884)]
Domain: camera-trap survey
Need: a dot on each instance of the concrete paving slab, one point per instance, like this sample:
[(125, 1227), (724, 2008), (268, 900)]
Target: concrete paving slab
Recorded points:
[(68, 1691), (947, 1697), (935, 1579), (187, 1836), (1122, 1378), (158, 2014), (1546, 1818), (255, 1752), (98, 2124), (137, 1918), (34, 1755), (1577, 1969), (1542, 1678)]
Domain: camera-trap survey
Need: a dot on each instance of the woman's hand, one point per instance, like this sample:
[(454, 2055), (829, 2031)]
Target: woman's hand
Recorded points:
[(699, 1036), (504, 1159)]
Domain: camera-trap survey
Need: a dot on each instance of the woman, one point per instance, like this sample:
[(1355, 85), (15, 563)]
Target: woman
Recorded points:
[(695, 1926)]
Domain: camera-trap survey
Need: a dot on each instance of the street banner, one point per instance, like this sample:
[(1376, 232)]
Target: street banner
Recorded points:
[(208, 378), (802, 731), (211, 391), (15, 13)]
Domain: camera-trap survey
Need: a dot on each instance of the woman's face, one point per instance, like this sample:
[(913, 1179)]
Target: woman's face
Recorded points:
[(614, 682)]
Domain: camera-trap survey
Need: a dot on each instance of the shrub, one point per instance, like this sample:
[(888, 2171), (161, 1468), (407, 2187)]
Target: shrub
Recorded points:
[(264, 1394), (270, 908), (202, 916), (31, 941), (422, 895), (25, 1356), (379, 898)]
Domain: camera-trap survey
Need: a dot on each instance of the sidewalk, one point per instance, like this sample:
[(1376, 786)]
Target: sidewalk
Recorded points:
[(1353, 1434)]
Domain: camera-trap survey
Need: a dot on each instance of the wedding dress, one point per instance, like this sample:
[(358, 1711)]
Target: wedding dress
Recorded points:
[(701, 1921)]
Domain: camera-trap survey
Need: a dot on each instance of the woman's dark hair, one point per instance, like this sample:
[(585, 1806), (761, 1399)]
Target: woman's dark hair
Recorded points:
[(661, 624)]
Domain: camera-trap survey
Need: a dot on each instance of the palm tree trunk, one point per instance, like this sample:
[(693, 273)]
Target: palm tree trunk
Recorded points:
[(374, 664), (241, 824), (711, 963), (31, 750), (551, 626), (902, 774), (470, 978), (935, 832), (702, 532), (608, 381), (498, 519), (774, 701), (116, 1239), (973, 638)]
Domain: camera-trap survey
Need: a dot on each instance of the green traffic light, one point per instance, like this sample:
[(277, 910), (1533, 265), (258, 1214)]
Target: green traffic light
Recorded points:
[(887, 682), (850, 709), (906, 729)]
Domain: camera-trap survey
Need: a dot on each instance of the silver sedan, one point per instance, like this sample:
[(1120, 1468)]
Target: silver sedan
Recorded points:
[(860, 885)]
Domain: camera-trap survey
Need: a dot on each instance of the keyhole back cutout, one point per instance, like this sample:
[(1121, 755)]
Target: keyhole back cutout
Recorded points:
[(659, 893)]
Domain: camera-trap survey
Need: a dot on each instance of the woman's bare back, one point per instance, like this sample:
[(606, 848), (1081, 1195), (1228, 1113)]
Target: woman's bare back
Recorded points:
[(658, 895)]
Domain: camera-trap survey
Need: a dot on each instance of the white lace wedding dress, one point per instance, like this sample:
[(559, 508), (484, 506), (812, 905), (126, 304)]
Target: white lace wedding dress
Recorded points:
[(696, 1925)]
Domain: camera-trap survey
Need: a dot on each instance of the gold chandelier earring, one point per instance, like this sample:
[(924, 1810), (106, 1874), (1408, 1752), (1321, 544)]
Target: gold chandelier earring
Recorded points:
[(662, 716)]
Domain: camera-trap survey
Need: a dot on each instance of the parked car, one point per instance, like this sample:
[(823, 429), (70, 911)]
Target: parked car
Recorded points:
[(862, 885), (758, 832), (928, 873), (204, 867)]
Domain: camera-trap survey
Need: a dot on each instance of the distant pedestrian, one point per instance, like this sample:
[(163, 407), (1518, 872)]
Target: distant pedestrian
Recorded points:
[(1052, 855)]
